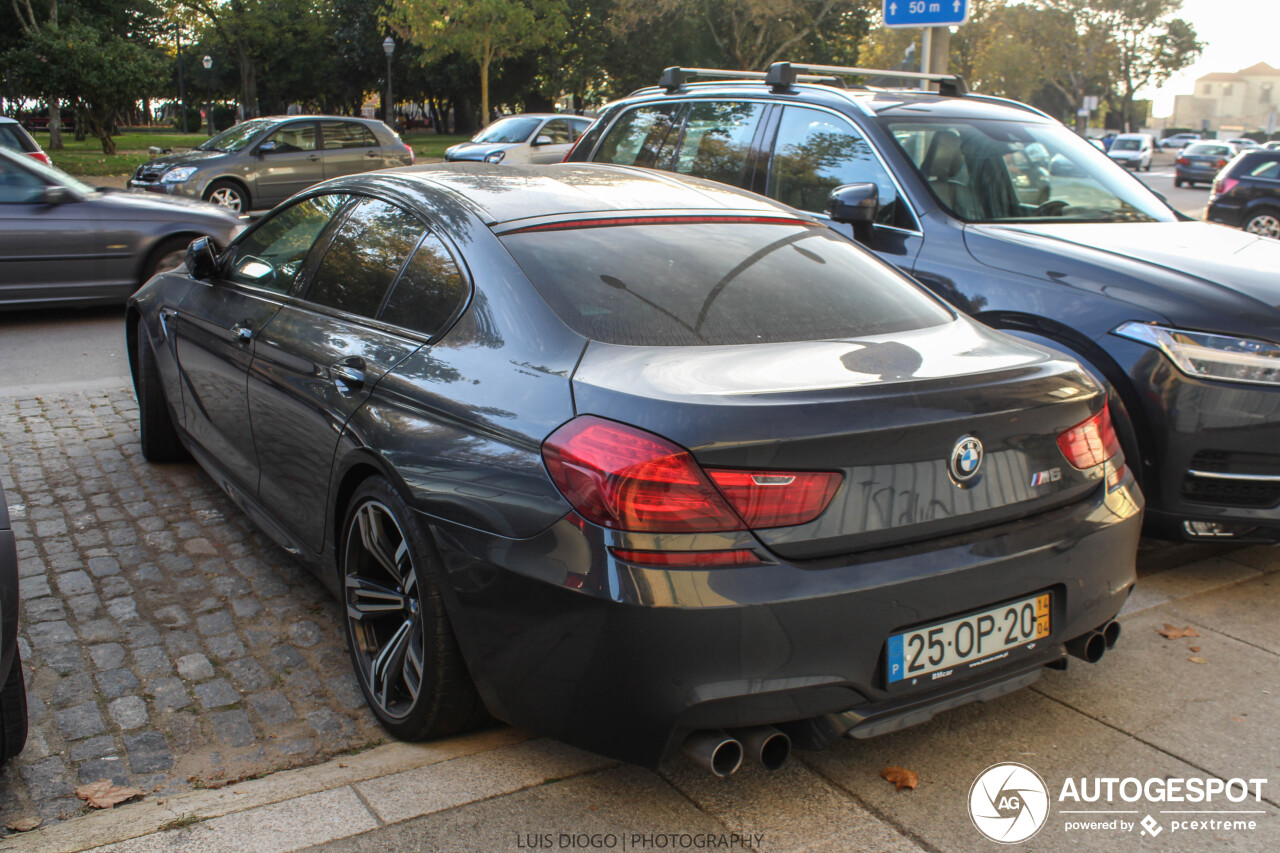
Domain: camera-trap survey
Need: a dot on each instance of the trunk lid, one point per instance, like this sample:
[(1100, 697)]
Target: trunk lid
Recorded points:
[(886, 412)]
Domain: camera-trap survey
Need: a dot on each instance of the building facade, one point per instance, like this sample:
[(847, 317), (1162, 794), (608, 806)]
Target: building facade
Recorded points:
[(1227, 103)]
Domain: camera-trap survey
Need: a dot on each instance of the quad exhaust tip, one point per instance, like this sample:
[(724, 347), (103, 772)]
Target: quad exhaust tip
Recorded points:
[(767, 745), (716, 751), (1093, 645)]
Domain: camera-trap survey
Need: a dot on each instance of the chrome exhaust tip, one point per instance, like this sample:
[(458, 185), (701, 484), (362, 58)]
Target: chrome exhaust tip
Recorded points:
[(1088, 647), (1111, 633), (716, 751), (767, 745)]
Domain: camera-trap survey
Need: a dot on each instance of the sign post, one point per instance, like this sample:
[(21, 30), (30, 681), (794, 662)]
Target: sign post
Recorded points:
[(931, 16)]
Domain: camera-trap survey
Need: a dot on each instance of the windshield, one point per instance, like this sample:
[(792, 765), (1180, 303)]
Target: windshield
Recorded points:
[(1000, 171), (237, 137), (1126, 145), (513, 129)]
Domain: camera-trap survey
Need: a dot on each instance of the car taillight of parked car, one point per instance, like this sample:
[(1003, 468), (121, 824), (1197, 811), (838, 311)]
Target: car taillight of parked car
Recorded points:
[(413, 158), (625, 478), (1224, 185), (1219, 163), (41, 156), (1183, 161), (1090, 442)]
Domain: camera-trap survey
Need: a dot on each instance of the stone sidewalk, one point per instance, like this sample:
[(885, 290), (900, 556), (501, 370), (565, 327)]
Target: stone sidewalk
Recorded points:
[(168, 644)]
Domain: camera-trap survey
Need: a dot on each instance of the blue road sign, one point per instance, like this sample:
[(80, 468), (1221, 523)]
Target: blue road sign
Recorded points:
[(925, 13)]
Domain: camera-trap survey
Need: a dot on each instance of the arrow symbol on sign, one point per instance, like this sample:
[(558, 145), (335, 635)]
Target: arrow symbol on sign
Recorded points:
[(956, 5), (893, 8)]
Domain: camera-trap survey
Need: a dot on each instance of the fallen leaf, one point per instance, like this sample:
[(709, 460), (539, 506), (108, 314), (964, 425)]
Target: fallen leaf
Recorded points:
[(24, 824), (104, 793), (1194, 648), (1197, 660), (901, 777), (1173, 632)]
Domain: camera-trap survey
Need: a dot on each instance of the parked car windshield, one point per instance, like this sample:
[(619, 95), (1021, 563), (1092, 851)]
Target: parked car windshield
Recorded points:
[(1126, 145), (694, 284), (508, 130), (1208, 149), (986, 170), (237, 137)]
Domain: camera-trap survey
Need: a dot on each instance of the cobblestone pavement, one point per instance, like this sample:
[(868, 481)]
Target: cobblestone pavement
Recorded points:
[(167, 643)]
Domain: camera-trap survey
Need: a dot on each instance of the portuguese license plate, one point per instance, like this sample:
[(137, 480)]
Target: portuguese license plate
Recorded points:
[(969, 641)]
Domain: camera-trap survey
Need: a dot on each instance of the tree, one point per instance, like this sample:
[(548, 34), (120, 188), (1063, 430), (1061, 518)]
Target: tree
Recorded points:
[(100, 75), (485, 31), (1151, 45), (32, 26)]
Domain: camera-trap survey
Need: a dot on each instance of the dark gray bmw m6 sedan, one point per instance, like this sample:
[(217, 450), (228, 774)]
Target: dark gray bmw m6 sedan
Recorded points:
[(639, 462)]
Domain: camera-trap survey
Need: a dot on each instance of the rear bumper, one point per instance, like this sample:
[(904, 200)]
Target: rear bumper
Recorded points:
[(1224, 214), (1204, 176), (566, 641)]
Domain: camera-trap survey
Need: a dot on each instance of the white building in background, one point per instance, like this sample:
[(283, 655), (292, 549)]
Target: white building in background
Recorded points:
[(1226, 103)]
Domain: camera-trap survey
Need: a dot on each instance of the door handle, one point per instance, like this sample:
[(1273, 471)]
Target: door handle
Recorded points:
[(372, 154), (243, 333), (314, 157), (349, 374)]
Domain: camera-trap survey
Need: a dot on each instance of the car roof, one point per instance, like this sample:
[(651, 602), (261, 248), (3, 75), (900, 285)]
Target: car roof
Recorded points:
[(540, 115), (501, 194), (7, 120)]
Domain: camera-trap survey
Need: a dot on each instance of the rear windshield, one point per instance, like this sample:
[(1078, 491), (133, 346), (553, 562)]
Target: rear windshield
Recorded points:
[(697, 284), (1208, 149)]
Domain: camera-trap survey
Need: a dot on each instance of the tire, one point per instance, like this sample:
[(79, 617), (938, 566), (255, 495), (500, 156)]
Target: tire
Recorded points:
[(156, 432), (13, 711), (167, 255), (1264, 221), (1177, 182), (402, 645), (228, 194)]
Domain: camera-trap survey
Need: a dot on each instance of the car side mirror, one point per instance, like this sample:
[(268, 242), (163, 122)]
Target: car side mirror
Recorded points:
[(542, 139), (201, 261), (267, 147), (56, 195)]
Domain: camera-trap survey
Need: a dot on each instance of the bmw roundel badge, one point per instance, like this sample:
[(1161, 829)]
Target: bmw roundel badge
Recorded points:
[(966, 458)]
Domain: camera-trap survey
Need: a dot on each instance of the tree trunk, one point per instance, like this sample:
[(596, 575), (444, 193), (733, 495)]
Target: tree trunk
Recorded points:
[(55, 126), (485, 58)]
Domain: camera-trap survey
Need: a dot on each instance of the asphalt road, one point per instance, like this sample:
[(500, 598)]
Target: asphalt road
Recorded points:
[(66, 349)]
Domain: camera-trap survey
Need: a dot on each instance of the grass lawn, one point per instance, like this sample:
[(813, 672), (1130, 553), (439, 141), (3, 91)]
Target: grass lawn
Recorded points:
[(86, 158)]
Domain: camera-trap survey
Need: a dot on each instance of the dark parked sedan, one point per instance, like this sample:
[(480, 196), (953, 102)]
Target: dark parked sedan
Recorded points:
[(1246, 194), (259, 163), (13, 690), (1200, 162), (632, 460), (65, 243)]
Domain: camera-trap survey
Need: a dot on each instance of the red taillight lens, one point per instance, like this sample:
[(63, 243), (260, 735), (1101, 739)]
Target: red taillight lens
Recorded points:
[(1090, 442), (1183, 161), (689, 559), (1224, 185), (1220, 163), (413, 158), (625, 478), (41, 156), (777, 498)]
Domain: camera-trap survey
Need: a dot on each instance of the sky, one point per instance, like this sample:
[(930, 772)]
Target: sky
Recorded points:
[(1236, 34)]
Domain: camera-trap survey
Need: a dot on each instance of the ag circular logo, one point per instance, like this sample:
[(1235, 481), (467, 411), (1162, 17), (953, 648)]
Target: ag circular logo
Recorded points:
[(966, 458), (1009, 803)]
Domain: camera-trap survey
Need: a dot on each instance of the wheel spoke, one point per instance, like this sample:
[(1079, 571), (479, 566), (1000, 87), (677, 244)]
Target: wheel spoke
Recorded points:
[(390, 661), (415, 658), (368, 598), (373, 537)]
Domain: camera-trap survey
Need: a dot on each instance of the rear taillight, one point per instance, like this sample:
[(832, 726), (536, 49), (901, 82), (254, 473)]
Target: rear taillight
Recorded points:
[(625, 478), (1090, 442), (1219, 164), (1224, 185), (41, 156), (1183, 161), (413, 158), (777, 498), (688, 559)]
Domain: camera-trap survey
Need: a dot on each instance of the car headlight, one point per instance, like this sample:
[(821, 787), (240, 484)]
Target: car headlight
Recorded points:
[(178, 175), (495, 156), (1221, 357)]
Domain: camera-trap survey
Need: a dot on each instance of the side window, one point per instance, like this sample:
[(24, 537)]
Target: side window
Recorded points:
[(18, 186), (347, 134), (1266, 170), (577, 127), (558, 130), (814, 153), (717, 141), (428, 291), (271, 255), (298, 136), (366, 254), (642, 137)]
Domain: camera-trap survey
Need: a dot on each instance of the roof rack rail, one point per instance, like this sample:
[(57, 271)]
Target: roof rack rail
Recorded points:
[(780, 77), (948, 84)]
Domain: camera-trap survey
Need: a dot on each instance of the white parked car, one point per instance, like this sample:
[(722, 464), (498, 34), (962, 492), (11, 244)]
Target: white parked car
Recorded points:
[(1178, 140), (1243, 144), (1133, 150), (529, 138)]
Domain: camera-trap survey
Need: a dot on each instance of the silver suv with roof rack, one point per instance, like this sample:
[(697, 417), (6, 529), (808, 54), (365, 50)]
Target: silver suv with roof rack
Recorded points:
[(1017, 220)]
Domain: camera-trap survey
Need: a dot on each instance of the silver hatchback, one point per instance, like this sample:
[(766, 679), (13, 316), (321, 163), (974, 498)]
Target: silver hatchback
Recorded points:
[(259, 163)]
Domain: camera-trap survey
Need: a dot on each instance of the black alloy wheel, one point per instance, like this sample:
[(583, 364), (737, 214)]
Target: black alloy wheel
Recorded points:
[(402, 645), (13, 712), (157, 435)]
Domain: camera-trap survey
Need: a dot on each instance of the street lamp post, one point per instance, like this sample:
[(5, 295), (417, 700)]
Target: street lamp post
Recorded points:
[(388, 47), (207, 62)]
